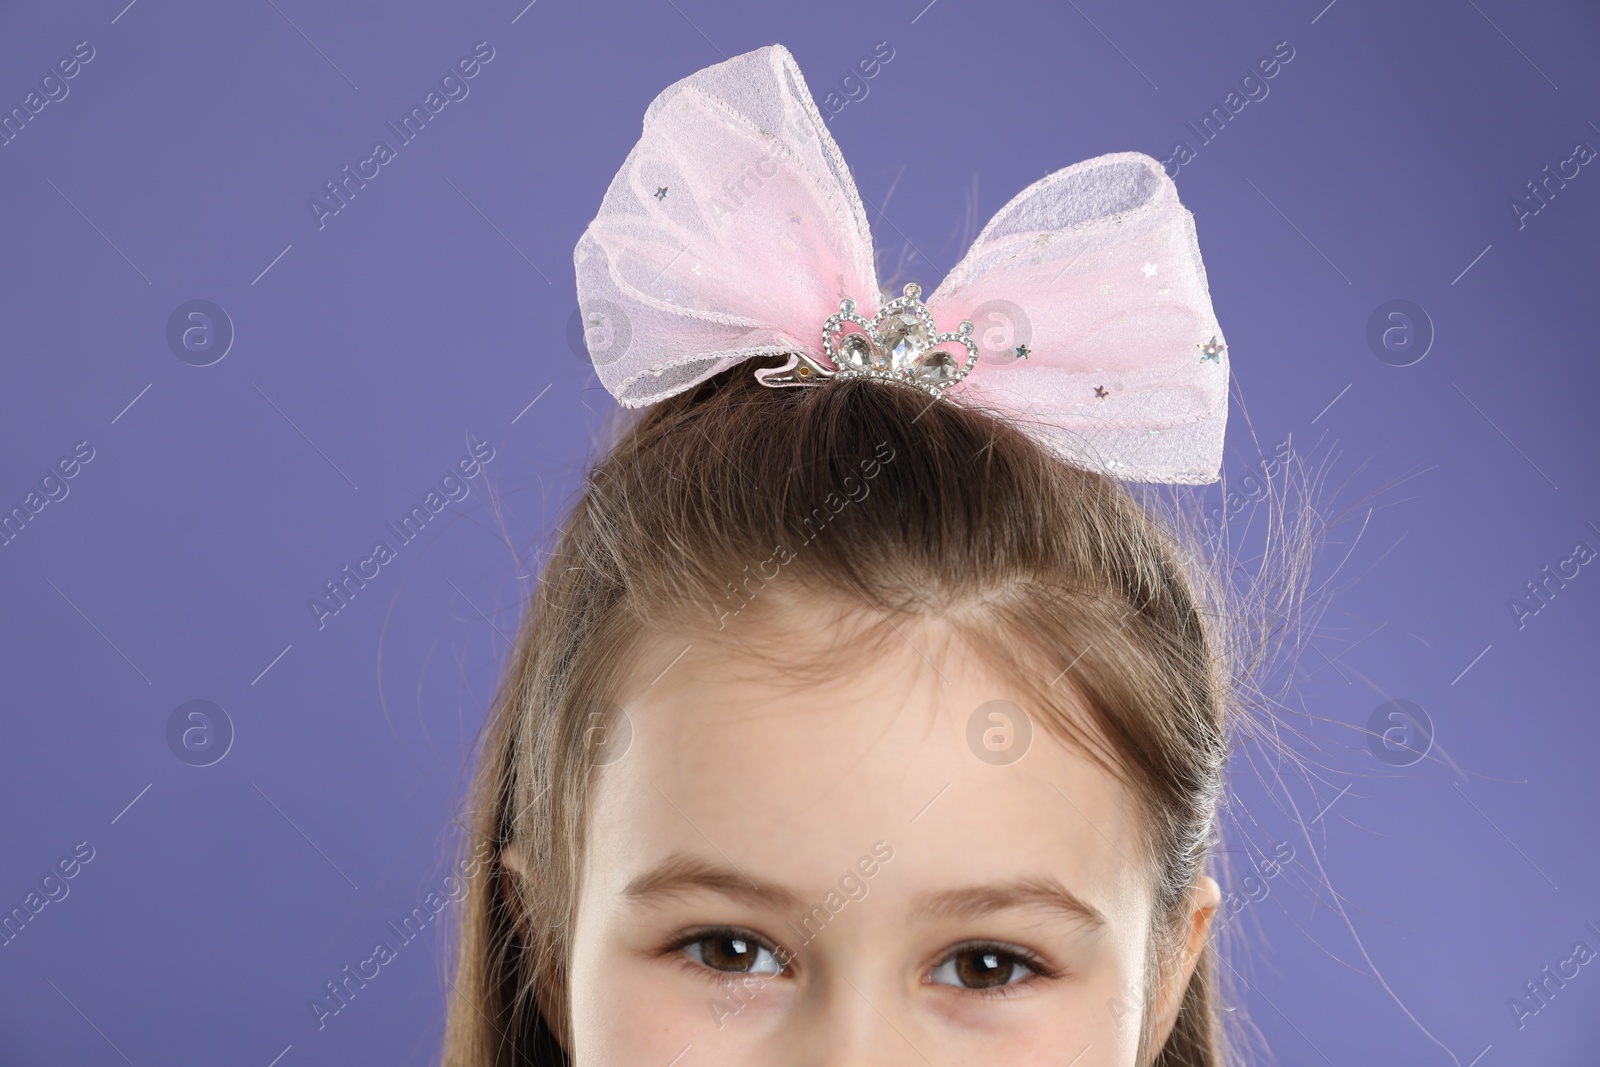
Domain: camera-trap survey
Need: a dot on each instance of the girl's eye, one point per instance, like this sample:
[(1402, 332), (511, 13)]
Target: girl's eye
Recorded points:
[(988, 967), (733, 952)]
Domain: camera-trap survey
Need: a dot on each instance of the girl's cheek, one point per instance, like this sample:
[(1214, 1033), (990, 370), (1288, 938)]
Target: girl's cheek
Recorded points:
[(1041, 1028), (627, 1022), (991, 1017), (740, 1007), (649, 1010)]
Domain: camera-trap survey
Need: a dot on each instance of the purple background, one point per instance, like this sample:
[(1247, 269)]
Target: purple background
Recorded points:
[(438, 304)]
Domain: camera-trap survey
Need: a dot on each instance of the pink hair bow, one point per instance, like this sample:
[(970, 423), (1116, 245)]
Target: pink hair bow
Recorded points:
[(734, 230)]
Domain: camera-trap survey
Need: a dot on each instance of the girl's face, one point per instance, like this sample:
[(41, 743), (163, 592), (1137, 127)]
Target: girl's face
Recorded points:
[(831, 873)]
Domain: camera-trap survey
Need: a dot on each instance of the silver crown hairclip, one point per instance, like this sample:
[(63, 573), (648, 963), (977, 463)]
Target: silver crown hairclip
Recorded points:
[(899, 343)]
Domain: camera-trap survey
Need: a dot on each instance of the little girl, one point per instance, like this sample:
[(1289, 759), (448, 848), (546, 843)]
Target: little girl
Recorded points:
[(863, 715)]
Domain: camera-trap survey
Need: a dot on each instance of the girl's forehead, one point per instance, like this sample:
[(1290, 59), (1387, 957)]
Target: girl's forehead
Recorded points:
[(921, 746)]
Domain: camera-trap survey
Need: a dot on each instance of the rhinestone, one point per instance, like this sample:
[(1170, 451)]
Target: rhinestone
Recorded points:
[(913, 290), (847, 305), (904, 337), (937, 366), (856, 353)]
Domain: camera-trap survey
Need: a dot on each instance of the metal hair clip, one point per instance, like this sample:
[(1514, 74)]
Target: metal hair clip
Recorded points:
[(899, 344)]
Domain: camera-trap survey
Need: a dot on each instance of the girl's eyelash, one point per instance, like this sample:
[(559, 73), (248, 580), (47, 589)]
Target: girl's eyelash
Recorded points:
[(1031, 960), (704, 933), (682, 941)]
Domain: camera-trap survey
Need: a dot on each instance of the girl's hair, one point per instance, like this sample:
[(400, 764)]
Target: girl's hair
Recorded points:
[(872, 496)]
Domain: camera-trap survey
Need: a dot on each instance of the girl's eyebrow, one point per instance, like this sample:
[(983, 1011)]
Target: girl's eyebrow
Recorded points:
[(975, 901), (684, 873)]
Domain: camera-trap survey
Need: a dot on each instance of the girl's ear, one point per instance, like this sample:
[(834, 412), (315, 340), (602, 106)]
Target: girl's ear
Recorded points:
[(513, 885), (1177, 970), (513, 877)]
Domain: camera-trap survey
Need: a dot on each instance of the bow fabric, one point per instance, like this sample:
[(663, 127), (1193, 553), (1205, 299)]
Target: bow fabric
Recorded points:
[(733, 230)]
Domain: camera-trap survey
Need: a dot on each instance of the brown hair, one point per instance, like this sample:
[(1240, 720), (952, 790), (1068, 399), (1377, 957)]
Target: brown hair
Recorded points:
[(884, 498)]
